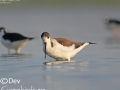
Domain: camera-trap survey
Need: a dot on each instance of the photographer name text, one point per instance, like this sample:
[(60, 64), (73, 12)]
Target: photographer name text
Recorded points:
[(5, 87)]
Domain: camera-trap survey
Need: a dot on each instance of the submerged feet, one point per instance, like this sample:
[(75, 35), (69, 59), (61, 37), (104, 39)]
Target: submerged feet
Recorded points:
[(62, 60)]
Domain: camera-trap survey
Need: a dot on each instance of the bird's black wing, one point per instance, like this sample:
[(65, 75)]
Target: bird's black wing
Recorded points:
[(114, 21), (14, 37)]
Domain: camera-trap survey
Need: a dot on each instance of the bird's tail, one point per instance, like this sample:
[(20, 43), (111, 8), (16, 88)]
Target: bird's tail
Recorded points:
[(31, 38), (91, 43)]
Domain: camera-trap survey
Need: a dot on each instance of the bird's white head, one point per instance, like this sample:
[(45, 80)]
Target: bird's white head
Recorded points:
[(2, 31), (107, 19), (45, 36)]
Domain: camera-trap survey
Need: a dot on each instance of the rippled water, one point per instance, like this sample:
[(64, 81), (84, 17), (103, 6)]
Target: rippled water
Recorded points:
[(100, 63)]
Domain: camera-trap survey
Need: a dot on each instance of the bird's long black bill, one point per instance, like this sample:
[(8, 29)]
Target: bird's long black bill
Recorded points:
[(45, 49)]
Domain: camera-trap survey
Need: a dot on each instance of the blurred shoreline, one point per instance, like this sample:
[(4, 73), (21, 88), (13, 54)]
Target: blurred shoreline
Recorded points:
[(51, 4)]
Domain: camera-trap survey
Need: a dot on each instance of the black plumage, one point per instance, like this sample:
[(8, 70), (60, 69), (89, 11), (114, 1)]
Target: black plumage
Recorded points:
[(17, 41), (113, 21), (15, 37)]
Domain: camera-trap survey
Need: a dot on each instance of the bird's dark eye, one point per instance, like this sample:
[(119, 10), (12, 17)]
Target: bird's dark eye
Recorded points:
[(45, 34), (48, 37)]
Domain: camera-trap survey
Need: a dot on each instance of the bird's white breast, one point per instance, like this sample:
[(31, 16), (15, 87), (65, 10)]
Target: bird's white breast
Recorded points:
[(6, 43), (58, 50), (13, 45)]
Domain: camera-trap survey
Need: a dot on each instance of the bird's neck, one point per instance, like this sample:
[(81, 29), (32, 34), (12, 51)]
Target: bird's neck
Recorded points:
[(3, 32), (48, 44)]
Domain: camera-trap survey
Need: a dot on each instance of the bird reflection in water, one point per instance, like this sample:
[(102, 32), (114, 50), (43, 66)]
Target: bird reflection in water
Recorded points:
[(54, 72), (15, 56)]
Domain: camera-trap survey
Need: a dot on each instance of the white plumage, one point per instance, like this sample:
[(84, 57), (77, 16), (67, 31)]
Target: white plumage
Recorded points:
[(13, 40), (61, 48)]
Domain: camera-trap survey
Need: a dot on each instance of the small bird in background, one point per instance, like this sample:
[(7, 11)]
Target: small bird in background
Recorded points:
[(13, 40), (114, 26), (61, 48)]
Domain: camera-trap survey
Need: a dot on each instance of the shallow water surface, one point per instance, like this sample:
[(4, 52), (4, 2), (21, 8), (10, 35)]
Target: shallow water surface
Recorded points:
[(100, 63)]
